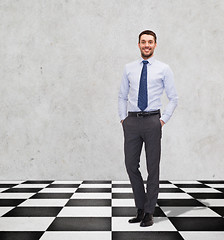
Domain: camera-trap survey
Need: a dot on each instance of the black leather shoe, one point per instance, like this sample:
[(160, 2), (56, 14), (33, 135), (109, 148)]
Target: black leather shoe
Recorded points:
[(138, 218), (147, 220)]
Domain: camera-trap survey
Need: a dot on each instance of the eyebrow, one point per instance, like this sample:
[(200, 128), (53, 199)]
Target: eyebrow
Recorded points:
[(146, 41)]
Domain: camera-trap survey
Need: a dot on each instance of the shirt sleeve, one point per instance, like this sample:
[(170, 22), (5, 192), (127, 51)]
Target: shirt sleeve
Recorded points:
[(171, 94), (123, 96)]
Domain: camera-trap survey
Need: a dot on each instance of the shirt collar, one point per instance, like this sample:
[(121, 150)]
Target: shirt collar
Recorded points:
[(150, 60)]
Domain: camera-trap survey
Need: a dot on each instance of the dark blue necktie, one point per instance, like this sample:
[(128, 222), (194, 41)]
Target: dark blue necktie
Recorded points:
[(142, 94)]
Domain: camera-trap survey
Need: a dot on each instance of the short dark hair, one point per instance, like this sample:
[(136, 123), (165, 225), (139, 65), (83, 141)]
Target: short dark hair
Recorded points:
[(148, 32)]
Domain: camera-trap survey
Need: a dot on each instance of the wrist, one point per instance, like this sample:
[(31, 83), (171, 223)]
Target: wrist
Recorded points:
[(162, 122)]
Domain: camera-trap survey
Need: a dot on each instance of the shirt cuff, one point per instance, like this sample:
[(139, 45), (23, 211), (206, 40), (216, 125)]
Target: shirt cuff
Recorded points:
[(165, 118), (123, 117)]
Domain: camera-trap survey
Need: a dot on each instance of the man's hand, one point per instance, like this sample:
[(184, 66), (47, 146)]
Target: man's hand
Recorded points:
[(162, 122), (122, 121)]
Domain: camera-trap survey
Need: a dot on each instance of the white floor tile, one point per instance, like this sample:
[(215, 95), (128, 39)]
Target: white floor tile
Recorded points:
[(189, 212), (212, 202), (67, 182), (25, 223), (85, 212), (123, 203), (202, 235), (3, 189), (91, 196), (16, 195), (4, 210), (161, 186), (44, 202), (174, 196), (121, 182), (185, 182), (95, 186), (167, 186), (90, 235), (160, 224), (10, 182), (200, 190), (122, 190), (31, 186), (58, 190), (215, 185)]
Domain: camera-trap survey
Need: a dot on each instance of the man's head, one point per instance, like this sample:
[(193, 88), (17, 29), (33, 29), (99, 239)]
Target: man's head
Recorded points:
[(147, 43)]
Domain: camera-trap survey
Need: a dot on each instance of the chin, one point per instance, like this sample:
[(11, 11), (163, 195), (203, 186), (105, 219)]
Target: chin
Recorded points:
[(147, 56)]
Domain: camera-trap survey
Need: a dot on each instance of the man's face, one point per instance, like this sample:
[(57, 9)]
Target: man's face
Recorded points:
[(147, 45)]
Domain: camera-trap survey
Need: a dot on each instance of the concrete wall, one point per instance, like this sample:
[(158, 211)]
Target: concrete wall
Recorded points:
[(61, 67)]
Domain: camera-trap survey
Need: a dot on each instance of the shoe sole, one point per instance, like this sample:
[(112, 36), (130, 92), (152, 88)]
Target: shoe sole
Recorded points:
[(147, 225), (135, 222)]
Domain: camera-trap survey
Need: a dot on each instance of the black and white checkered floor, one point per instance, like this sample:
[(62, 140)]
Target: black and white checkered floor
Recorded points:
[(53, 210)]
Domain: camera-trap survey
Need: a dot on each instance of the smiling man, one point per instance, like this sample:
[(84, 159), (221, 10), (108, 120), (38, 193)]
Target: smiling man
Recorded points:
[(139, 106)]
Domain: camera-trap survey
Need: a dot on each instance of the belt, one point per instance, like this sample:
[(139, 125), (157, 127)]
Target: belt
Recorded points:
[(143, 114)]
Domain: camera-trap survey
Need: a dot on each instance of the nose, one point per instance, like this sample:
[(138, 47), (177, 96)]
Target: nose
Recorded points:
[(147, 44)]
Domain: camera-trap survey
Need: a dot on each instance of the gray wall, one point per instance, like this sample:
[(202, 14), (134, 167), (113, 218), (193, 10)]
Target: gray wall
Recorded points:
[(61, 68)]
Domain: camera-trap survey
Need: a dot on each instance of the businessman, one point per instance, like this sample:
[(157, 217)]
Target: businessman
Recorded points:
[(139, 104)]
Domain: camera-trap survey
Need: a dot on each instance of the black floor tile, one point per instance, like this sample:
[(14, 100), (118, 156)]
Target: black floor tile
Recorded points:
[(51, 195), (158, 212), (81, 224), (4, 185), (20, 235), (122, 195), (89, 202), (122, 185), (10, 202), (179, 202), (198, 223), (219, 210), (63, 186), (160, 182), (164, 182), (22, 190), (38, 182), (93, 190), (169, 190), (146, 236), (212, 181), (96, 182), (220, 189), (191, 185), (207, 195), (33, 212), (124, 211)]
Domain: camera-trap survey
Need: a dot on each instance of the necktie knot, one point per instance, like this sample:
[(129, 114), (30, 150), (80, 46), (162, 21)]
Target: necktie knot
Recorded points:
[(145, 62)]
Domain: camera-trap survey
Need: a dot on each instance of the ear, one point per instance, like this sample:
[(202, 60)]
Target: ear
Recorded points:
[(139, 45)]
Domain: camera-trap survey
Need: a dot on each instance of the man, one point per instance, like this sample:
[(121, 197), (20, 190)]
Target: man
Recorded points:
[(139, 106)]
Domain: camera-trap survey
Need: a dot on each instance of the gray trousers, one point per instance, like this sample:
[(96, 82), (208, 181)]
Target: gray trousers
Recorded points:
[(137, 131)]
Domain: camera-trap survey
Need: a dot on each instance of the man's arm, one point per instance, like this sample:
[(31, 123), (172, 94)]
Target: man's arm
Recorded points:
[(171, 94), (123, 97)]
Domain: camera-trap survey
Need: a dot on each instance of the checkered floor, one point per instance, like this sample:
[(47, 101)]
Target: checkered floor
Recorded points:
[(52, 210)]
